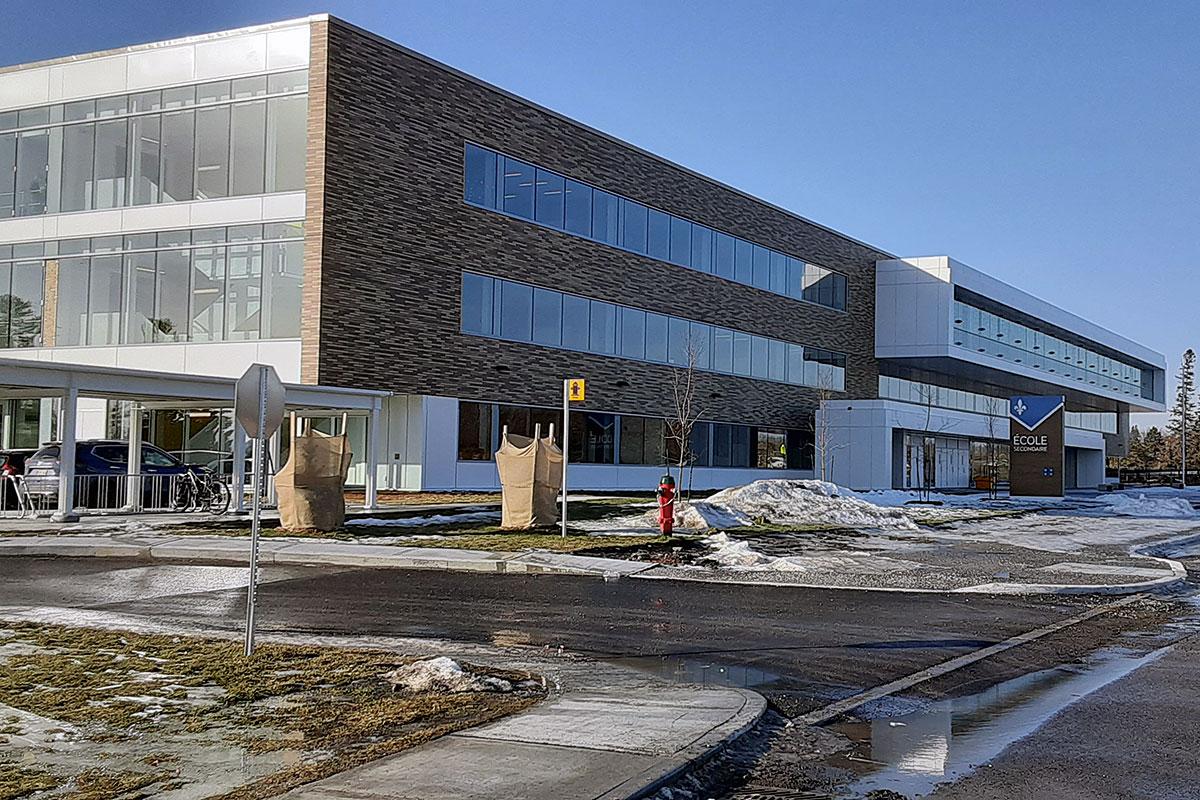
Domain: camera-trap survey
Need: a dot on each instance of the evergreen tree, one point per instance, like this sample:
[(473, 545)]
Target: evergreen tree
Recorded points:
[(1182, 425), (1137, 450), (1155, 448)]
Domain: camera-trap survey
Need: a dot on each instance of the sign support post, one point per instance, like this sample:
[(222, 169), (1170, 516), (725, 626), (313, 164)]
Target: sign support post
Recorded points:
[(566, 431), (259, 401), (574, 391)]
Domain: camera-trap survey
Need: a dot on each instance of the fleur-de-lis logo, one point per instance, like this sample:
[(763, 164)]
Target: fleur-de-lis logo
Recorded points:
[(1020, 407)]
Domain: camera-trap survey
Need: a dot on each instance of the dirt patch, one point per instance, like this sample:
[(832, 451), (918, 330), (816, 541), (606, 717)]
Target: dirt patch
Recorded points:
[(167, 711)]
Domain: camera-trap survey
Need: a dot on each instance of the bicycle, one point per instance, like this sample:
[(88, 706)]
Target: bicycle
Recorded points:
[(195, 491)]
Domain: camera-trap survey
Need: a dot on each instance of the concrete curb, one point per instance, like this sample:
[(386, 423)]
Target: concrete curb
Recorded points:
[(698, 752), (1178, 575), (292, 552)]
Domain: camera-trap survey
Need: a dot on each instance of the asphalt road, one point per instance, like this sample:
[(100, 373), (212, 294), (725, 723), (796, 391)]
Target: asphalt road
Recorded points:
[(801, 647), (812, 643)]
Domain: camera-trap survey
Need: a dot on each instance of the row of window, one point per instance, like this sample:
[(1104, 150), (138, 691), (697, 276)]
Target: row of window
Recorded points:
[(984, 332), (222, 139), (517, 311), (502, 183), (598, 438), (941, 397), (216, 284)]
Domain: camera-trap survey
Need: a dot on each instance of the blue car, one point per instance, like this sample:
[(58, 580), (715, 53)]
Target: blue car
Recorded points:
[(100, 474)]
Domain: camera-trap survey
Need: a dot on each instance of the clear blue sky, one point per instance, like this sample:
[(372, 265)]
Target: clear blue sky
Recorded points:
[(1055, 145)]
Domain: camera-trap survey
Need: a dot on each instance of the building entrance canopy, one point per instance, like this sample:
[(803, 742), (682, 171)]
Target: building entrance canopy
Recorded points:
[(24, 378)]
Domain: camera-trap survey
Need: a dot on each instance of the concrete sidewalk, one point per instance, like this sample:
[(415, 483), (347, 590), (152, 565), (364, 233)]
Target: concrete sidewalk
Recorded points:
[(307, 552), (591, 744)]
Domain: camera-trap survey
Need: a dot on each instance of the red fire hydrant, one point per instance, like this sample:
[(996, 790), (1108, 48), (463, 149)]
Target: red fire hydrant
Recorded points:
[(666, 504)]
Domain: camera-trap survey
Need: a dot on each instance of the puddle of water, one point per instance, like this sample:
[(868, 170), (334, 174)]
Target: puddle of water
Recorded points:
[(913, 753), (703, 672)]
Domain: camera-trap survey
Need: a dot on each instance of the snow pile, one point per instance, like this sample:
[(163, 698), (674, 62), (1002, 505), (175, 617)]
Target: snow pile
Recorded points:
[(789, 502), (736, 554), (436, 519), (1124, 505), (443, 674)]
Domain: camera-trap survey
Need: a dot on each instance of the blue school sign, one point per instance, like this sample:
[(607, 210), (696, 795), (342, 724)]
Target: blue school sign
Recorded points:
[(1035, 446)]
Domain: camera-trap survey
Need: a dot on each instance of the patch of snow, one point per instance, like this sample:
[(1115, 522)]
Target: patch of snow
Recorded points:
[(790, 502), (737, 554), (443, 674), (1126, 505), (435, 519)]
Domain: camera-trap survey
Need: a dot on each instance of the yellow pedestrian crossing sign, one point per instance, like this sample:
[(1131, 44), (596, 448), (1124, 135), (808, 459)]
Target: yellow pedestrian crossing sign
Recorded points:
[(576, 390)]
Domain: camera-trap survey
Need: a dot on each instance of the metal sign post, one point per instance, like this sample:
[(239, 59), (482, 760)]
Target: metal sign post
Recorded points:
[(259, 398), (574, 391)]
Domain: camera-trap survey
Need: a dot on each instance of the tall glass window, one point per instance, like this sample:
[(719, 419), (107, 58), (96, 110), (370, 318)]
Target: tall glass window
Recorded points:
[(33, 152), (212, 153), (112, 157)]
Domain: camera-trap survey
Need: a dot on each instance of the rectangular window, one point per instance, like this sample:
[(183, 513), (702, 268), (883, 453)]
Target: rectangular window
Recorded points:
[(656, 337), (795, 278), (593, 438), (795, 364), (25, 305), (178, 156), (518, 188), (243, 294), (140, 292), (681, 242), (104, 300), (678, 337), (633, 226), (723, 256), (33, 164), (743, 261), (208, 294), (474, 431), (698, 444), (172, 290), (248, 148), (575, 325), (71, 315), (8, 173), (700, 340), (701, 248), (633, 333), (771, 449), (658, 235), (212, 153), (722, 445), (603, 337), (112, 154), (777, 360), (741, 354), (722, 360), (146, 137), (605, 222), (547, 317), (762, 267), (79, 142), (516, 311), (758, 356), (550, 202), (779, 274), (477, 304), (839, 291), (287, 137), (633, 440), (283, 284), (579, 208)]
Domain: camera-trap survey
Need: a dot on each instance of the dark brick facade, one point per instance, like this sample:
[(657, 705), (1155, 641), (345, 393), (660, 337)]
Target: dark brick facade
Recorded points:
[(395, 235)]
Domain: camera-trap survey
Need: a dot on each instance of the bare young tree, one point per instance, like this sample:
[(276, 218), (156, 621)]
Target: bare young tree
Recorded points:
[(992, 451), (926, 478), (685, 410), (824, 447)]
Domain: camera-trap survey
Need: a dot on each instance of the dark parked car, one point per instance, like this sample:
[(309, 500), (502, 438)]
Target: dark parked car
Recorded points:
[(12, 463), (100, 466)]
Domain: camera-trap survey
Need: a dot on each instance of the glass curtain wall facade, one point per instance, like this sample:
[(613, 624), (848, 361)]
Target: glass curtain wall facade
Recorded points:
[(601, 438), (504, 309), (232, 283), (512, 186), (984, 332), (221, 139)]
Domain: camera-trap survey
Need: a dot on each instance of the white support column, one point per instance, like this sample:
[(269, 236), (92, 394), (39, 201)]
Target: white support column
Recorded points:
[(66, 458), (133, 467), (238, 471), (371, 481), (46, 420), (6, 432)]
